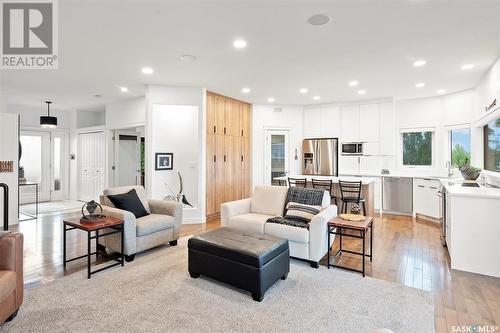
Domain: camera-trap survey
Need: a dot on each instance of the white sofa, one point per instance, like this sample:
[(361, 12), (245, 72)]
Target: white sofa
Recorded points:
[(269, 201)]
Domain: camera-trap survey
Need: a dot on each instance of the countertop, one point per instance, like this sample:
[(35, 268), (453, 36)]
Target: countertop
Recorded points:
[(437, 176), (457, 188), (365, 180)]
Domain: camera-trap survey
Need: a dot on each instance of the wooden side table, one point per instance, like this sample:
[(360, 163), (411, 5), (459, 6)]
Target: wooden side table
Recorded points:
[(89, 227), (337, 226)]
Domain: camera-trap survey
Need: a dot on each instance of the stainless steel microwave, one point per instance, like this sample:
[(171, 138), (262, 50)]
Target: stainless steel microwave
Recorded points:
[(352, 148)]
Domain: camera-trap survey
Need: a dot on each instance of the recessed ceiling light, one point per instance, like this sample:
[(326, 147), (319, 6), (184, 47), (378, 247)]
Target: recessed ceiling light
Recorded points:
[(419, 63), (441, 91), (353, 83), (147, 70), (187, 57), (467, 66), (361, 92), (316, 98), (245, 90), (420, 85), (123, 89), (303, 90), (239, 44), (318, 19), (271, 99), (97, 95)]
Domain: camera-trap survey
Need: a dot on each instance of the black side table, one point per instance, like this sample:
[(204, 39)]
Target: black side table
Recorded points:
[(338, 226), (89, 227)]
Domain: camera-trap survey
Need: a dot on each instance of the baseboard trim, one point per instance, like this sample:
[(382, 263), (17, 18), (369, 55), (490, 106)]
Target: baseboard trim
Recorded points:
[(194, 220)]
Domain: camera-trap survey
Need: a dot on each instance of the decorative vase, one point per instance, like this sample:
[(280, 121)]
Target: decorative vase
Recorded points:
[(469, 175)]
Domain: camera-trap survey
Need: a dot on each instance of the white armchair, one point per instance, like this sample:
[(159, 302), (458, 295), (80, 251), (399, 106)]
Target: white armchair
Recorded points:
[(161, 225), (269, 201)]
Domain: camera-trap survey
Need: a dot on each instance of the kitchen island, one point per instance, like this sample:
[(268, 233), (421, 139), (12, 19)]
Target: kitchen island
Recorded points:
[(472, 226), (367, 188)]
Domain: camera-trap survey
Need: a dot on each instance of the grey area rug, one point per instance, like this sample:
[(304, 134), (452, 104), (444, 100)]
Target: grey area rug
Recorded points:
[(156, 294)]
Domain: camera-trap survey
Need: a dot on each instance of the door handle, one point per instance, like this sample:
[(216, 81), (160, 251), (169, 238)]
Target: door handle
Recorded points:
[(224, 158)]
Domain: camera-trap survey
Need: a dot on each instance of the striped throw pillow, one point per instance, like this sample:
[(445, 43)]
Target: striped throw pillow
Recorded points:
[(301, 212)]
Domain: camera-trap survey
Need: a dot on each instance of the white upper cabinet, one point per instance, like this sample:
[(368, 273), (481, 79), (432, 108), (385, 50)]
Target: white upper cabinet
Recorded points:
[(312, 122), (369, 123), (322, 122), (387, 133), (350, 123), (330, 121)]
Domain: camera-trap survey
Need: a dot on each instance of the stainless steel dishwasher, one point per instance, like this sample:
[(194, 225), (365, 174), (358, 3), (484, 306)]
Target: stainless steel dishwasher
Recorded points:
[(397, 195)]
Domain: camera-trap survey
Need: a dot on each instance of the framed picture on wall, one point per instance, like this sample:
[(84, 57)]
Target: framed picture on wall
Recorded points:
[(164, 161)]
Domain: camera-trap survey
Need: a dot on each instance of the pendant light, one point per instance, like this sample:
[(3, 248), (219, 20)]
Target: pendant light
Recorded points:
[(48, 121)]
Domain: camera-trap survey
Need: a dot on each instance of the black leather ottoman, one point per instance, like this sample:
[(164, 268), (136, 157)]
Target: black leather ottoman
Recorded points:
[(250, 261)]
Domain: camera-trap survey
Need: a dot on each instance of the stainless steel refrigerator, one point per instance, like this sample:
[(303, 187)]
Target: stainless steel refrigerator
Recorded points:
[(320, 157)]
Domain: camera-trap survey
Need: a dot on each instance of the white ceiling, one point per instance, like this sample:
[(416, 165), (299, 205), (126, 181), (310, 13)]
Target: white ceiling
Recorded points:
[(103, 45)]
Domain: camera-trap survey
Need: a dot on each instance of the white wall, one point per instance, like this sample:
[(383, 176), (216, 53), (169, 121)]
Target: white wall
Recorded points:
[(440, 113), (9, 151), (264, 117), (487, 90), (90, 118), (128, 113), (158, 98)]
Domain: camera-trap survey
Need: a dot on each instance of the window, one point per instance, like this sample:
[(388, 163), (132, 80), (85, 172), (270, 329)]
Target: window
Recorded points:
[(417, 148), (460, 146), (491, 134)]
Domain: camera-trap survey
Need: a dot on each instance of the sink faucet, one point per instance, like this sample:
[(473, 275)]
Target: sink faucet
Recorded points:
[(448, 166)]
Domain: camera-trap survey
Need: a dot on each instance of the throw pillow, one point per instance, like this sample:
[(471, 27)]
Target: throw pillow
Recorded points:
[(130, 202), (301, 211)]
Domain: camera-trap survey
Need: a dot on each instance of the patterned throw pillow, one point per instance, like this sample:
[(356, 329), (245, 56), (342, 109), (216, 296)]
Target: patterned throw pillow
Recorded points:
[(302, 212)]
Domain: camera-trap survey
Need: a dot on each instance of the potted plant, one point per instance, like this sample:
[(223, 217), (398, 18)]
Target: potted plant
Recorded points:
[(469, 172)]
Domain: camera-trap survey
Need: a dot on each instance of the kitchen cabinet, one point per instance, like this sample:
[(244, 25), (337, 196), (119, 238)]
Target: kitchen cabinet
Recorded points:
[(371, 148), (364, 165), (350, 123), (322, 122), (348, 165), (369, 123), (330, 121), (387, 129), (369, 165), (425, 197), (312, 122), (228, 171)]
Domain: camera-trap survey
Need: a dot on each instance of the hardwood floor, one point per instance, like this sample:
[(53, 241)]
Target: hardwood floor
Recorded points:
[(406, 251)]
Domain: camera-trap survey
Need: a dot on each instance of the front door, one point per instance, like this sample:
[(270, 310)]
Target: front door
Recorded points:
[(35, 163)]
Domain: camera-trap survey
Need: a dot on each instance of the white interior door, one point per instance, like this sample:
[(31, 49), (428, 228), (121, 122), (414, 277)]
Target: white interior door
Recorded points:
[(127, 165), (91, 165), (35, 160), (277, 155), (59, 177)]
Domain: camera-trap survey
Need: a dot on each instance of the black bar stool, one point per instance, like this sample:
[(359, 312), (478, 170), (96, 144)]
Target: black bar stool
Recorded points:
[(325, 184), (350, 192), (299, 182)]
